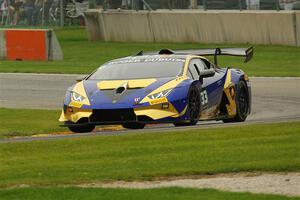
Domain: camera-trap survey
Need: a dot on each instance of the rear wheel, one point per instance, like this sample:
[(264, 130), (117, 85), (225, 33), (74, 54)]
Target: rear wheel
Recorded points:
[(193, 108), (242, 104), (134, 125)]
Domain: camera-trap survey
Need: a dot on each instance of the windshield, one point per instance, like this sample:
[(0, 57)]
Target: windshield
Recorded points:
[(139, 69)]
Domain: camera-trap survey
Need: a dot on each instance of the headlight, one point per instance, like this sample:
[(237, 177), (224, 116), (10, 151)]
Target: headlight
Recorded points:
[(160, 94), (77, 97)]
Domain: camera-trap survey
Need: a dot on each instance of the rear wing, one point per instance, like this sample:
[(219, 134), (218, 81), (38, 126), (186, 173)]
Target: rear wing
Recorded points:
[(242, 52)]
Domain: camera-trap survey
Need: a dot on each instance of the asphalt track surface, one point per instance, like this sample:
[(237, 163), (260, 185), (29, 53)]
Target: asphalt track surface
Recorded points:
[(274, 99)]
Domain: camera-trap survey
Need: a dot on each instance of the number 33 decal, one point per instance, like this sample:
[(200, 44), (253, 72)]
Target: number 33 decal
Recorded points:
[(204, 97)]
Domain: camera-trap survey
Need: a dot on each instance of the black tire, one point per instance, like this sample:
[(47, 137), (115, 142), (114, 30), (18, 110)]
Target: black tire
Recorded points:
[(82, 128), (194, 106), (134, 125), (242, 104)]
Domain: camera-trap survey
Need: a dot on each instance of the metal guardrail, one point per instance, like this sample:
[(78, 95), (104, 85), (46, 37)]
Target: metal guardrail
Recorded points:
[(41, 13), (199, 4)]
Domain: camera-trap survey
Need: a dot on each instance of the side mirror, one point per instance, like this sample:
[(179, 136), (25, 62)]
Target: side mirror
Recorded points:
[(207, 73), (80, 78)]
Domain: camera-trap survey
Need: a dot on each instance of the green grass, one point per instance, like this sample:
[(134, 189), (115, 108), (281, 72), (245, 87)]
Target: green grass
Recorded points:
[(23, 122), (82, 56), (136, 156), (146, 194)]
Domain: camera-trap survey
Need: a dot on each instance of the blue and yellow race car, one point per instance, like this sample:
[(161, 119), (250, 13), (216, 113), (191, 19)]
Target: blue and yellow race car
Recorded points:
[(179, 87)]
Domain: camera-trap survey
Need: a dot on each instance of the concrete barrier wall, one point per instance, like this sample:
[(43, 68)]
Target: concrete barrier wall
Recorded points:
[(259, 27), (93, 20), (117, 26), (255, 27), (187, 27), (2, 45), (54, 50), (297, 22), (130, 27)]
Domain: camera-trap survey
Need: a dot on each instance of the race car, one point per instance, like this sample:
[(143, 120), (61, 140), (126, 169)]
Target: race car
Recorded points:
[(179, 87)]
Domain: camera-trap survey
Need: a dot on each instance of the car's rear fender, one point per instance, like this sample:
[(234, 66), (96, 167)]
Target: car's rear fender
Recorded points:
[(238, 75)]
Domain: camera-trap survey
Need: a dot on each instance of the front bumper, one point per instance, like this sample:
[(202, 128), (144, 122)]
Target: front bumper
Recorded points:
[(73, 114), (158, 113)]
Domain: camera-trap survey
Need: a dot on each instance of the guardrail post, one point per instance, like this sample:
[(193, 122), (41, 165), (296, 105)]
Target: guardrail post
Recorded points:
[(170, 4), (92, 4), (277, 5), (105, 5), (194, 4), (146, 5), (62, 13), (205, 4), (240, 5)]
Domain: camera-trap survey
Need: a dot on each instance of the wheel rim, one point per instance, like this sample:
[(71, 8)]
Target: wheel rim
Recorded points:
[(243, 101), (194, 105)]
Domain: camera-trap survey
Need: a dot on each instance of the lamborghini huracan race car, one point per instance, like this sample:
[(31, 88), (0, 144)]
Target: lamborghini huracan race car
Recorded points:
[(179, 87)]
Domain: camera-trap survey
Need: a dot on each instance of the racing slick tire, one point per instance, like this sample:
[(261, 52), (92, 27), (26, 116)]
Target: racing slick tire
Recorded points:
[(242, 103), (134, 125), (194, 106), (82, 128)]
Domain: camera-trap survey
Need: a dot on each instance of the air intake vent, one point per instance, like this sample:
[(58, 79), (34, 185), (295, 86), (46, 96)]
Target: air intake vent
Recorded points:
[(120, 90), (165, 51), (113, 115)]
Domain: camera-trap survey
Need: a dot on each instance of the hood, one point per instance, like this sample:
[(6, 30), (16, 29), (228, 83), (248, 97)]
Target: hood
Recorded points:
[(113, 94)]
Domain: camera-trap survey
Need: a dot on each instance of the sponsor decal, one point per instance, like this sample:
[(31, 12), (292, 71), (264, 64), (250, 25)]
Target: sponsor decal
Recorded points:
[(164, 60), (146, 60), (137, 100), (158, 101), (204, 97)]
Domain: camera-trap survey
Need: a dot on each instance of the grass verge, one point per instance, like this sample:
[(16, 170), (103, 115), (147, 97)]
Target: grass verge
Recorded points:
[(25, 122), (273, 147), (82, 56), (146, 194)]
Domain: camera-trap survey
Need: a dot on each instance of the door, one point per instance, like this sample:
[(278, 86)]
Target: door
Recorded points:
[(211, 91)]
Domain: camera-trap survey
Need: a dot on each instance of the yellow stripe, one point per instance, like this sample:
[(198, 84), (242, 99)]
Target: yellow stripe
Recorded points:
[(231, 107), (170, 85), (62, 117), (75, 115), (228, 79), (113, 84), (155, 112), (182, 112)]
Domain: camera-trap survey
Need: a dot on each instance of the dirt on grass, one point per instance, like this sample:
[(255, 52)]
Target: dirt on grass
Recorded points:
[(287, 184)]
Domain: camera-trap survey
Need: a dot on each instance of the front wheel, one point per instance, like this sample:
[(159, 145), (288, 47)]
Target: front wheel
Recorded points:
[(82, 128), (134, 125), (242, 103), (193, 107)]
